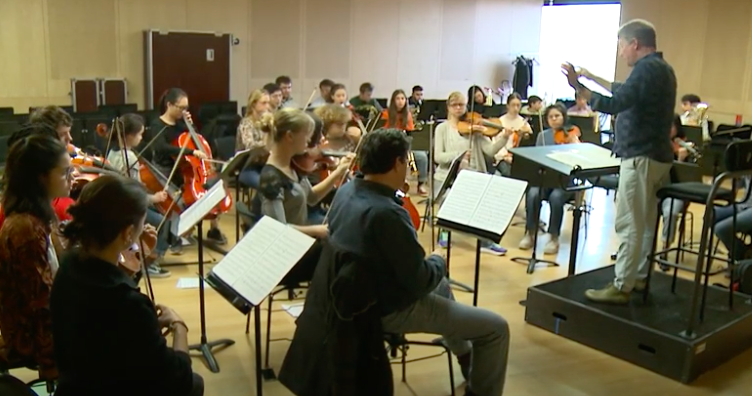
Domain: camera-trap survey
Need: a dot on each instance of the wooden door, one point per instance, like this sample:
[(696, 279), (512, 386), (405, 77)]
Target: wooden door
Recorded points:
[(84, 95), (198, 63)]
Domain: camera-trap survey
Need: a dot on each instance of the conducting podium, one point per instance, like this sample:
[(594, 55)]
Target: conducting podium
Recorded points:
[(480, 205), (565, 166), (254, 267)]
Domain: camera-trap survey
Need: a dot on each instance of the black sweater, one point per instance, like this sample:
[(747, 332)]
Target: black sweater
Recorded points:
[(106, 335), (165, 148)]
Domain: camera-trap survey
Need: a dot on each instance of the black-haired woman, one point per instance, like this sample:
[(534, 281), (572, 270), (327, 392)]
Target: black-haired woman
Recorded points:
[(165, 131), (126, 160), (107, 334), (37, 170)]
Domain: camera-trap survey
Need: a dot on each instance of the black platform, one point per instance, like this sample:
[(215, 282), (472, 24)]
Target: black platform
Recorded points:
[(648, 334)]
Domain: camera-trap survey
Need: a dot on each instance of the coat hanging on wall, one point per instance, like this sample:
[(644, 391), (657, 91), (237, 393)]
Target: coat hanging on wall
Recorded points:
[(523, 75)]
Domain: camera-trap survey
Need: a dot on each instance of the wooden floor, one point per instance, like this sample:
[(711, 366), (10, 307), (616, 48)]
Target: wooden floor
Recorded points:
[(540, 363)]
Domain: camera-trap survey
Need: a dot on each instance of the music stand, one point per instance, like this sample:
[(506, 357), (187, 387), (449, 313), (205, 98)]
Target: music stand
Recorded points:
[(555, 167), (454, 169), (193, 216), (249, 273), (481, 205), (230, 170)]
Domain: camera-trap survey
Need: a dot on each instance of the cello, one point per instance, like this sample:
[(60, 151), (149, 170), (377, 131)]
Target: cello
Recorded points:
[(199, 175)]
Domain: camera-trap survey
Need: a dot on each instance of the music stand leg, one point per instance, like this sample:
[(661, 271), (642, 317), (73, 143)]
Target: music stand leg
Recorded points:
[(237, 214), (461, 286), (577, 215), (257, 341), (532, 261), (205, 347), (477, 273)]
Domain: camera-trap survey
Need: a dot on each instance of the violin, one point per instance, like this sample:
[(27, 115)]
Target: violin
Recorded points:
[(566, 135), (130, 259), (199, 175), (492, 125)]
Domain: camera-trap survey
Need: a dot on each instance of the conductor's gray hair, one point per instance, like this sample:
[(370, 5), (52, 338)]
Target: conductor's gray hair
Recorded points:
[(640, 30)]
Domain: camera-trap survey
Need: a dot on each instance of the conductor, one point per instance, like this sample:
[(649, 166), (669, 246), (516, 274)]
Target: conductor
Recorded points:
[(645, 104)]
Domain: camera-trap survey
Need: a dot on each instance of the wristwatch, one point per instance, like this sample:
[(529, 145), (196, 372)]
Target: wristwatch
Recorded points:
[(174, 324)]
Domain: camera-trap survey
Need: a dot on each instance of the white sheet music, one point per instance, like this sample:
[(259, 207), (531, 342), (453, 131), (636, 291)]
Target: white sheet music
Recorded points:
[(482, 201), (262, 258), (196, 212), (590, 159)]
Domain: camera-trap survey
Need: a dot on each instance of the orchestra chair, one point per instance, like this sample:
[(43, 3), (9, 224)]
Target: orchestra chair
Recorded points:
[(397, 346), (738, 163)]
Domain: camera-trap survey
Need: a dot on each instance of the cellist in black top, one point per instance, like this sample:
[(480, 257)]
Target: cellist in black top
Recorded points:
[(165, 131)]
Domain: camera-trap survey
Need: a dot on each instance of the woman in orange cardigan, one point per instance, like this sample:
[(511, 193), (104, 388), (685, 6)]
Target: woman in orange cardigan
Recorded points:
[(398, 116)]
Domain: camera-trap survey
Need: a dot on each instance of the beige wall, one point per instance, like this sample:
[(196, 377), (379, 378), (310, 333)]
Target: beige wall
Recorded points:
[(443, 45), (709, 44)]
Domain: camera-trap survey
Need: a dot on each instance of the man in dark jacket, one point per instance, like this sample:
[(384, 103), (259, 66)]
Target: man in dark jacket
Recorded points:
[(411, 289)]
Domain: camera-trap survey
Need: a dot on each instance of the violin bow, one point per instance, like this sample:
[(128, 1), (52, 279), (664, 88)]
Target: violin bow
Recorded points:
[(118, 130), (310, 98), (349, 171)]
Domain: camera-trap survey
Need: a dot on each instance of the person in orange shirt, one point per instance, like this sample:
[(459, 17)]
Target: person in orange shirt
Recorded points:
[(398, 116)]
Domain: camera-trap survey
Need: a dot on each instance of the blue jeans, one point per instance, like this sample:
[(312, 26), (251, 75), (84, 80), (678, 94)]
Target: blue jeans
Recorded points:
[(670, 213), (556, 198), (421, 161), (154, 218), (723, 228)]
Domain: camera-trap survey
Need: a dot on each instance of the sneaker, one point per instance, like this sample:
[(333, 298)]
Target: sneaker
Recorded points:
[(527, 242), (422, 189), (155, 271), (552, 246), (443, 239), (640, 285), (493, 249), (215, 235), (177, 249), (608, 295)]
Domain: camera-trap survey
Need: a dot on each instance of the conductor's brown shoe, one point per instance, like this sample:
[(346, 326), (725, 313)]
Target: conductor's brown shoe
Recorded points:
[(608, 295)]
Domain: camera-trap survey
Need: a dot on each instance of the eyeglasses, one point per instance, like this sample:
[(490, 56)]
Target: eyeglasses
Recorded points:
[(181, 108)]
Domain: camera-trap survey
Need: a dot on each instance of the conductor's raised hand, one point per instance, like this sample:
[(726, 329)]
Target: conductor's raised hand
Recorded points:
[(571, 74)]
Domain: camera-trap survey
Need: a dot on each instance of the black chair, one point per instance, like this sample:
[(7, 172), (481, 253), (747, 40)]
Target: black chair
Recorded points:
[(6, 112), (8, 127), (738, 163), (398, 343)]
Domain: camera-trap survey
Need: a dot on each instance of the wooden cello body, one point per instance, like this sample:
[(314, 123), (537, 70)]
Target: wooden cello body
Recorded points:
[(199, 175)]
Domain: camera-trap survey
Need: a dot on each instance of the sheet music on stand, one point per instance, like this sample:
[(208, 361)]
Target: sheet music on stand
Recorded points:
[(481, 204), (238, 161), (593, 159), (259, 261), (196, 212)]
